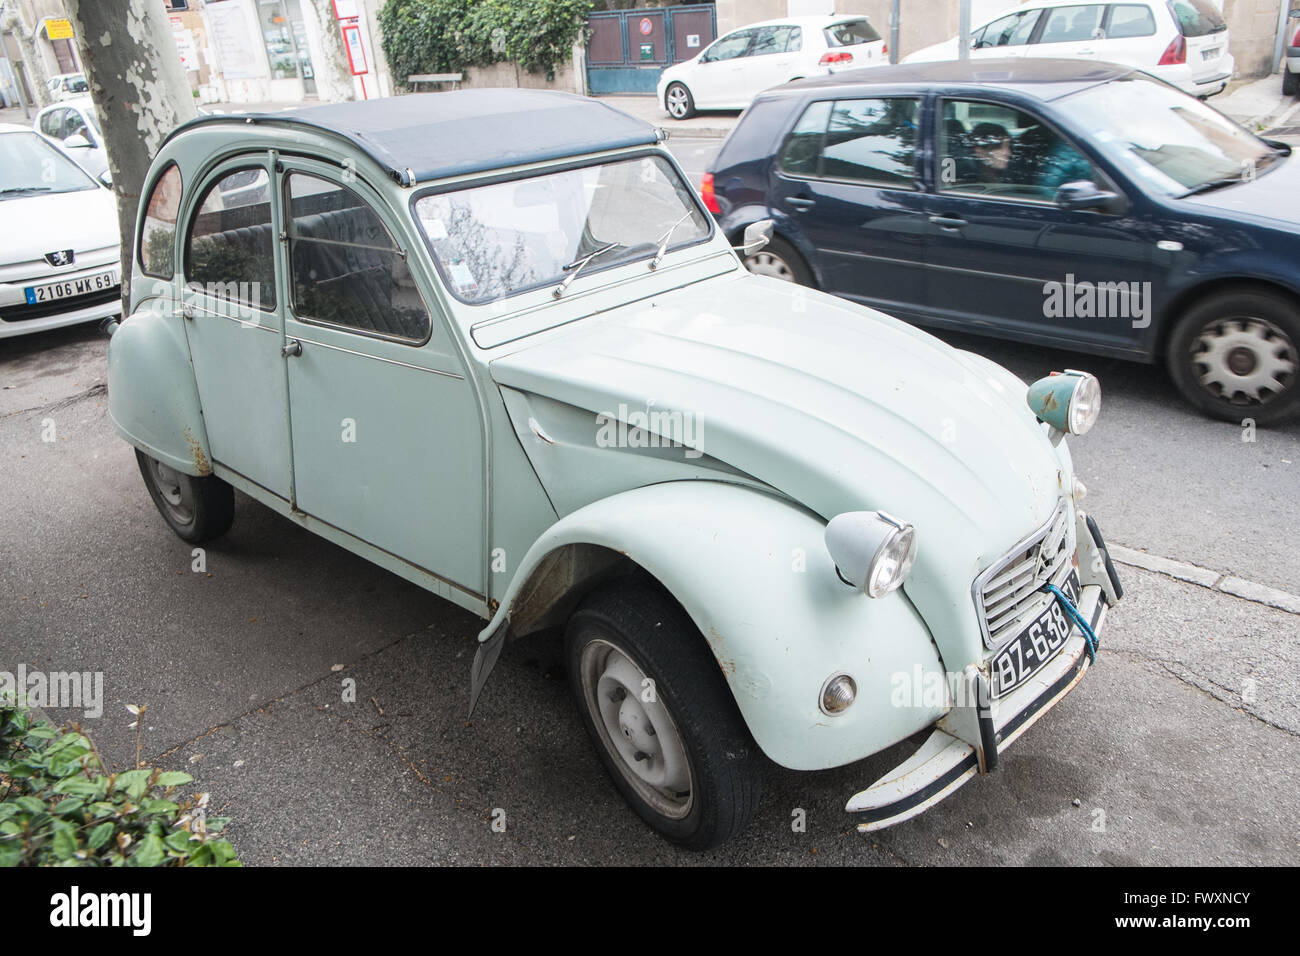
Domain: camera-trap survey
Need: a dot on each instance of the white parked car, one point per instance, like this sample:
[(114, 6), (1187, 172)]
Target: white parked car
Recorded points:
[(58, 238), (735, 68), (67, 85), (1291, 72), (73, 125), (1183, 42)]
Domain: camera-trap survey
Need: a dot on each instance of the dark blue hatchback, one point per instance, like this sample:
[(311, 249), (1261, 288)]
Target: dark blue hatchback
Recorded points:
[(1061, 202)]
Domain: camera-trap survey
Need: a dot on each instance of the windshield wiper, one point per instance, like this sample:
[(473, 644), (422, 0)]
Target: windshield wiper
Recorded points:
[(663, 240), (577, 265), (1206, 187), (12, 190)]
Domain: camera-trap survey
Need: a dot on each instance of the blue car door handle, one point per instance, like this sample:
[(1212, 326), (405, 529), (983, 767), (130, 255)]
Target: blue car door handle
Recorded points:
[(801, 202), (948, 222)]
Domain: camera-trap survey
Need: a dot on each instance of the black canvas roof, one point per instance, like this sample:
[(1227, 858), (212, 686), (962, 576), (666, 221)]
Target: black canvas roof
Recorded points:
[(426, 136)]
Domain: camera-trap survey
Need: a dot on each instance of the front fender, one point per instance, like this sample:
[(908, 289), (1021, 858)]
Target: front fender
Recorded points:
[(152, 397), (753, 574)]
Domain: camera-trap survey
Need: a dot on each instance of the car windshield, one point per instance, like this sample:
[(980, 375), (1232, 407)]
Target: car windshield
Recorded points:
[(503, 238), (1197, 18), (30, 166), (1168, 140)]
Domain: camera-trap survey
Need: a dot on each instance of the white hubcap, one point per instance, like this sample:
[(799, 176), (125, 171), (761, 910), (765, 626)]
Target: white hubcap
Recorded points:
[(677, 101), (767, 264), (636, 728), (1245, 361)]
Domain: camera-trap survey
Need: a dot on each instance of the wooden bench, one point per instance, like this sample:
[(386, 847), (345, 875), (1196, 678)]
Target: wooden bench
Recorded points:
[(452, 78)]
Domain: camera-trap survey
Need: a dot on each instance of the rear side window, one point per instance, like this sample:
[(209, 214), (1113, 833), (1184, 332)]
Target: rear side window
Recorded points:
[(158, 234), (230, 248), (850, 32), (872, 141), (794, 42), (803, 145), (769, 40), (1073, 24), (1197, 18), (344, 267), (1130, 20)]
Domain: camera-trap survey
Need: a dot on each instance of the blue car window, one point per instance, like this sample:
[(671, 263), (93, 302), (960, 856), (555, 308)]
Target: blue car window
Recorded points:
[(872, 141), (996, 150), (803, 145)]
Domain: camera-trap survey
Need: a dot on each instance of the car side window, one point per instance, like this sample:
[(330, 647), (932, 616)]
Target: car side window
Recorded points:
[(76, 126), (345, 269), (996, 150), (768, 40), (1012, 30), (872, 141), (1073, 24), (794, 39), (158, 234), (229, 251), (1130, 20), (803, 145), (731, 46), (52, 123)]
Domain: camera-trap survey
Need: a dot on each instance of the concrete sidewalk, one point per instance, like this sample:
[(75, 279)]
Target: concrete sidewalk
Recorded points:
[(1256, 104)]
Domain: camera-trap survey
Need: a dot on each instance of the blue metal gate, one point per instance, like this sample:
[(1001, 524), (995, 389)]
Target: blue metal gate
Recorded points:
[(628, 49)]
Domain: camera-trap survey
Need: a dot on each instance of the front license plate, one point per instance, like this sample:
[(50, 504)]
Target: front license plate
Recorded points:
[(68, 288), (1211, 54), (1023, 656)]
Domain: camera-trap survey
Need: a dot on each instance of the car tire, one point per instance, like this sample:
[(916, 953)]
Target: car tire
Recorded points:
[(678, 101), (1237, 356), (684, 758), (197, 509), (1290, 83), (780, 260)]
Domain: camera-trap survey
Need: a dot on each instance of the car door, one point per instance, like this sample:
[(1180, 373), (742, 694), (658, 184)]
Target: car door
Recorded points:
[(1130, 35), (234, 320), (717, 78), (1005, 259), (767, 62), (845, 188), (387, 435)]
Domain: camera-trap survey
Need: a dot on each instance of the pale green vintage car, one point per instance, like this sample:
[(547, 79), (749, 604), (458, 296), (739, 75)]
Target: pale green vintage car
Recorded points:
[(491, 341)]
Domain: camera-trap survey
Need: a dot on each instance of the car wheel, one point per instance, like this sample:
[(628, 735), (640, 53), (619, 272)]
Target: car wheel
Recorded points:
[(679, 102), (659, 712), (780, 260), (1235, 356), (1290, 83), (197, 509)]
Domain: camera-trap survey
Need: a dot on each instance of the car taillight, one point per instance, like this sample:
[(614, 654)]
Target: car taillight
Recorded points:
[(839, 56), (706, 193), (884, 50), (1295, 40), (1175, 53)]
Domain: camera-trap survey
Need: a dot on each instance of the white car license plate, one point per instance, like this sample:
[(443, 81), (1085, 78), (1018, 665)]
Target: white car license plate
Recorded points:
[(1023, 656), (1211, 53), (68, 288)]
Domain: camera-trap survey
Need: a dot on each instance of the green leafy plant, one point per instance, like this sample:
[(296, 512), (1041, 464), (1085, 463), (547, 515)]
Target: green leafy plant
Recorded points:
[(60, 807), (445, 36)]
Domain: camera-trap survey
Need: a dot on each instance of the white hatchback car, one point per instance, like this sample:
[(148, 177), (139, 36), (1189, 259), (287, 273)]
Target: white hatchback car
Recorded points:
[(736, 67), (59, 244), (1183, 42), (73, 125)]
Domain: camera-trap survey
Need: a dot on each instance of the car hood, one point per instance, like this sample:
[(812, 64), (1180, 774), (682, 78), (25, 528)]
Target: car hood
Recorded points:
[(31, 226), (836, 406), (1274, 195)]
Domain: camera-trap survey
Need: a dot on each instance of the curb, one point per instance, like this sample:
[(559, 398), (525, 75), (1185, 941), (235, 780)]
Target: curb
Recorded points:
[(1208, 578)]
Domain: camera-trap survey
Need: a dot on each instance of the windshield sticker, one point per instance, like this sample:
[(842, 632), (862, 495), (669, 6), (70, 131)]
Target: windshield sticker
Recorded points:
[(435, 228), (463, 278)]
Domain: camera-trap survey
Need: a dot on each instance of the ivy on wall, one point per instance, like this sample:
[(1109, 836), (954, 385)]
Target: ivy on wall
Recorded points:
[(446, 36)]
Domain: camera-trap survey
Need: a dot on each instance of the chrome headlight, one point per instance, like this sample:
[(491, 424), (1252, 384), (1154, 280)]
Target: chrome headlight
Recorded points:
[(1069, 401), (872, 550)]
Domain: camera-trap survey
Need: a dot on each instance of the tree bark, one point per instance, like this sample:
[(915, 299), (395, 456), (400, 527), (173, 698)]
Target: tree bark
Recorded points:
[(334, 76), (140, 93)]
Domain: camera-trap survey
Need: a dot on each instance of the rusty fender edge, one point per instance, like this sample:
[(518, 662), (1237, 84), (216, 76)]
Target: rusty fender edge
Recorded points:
[(944, 763)]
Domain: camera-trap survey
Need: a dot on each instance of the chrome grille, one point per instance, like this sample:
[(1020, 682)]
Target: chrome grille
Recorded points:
[(1011, 587)]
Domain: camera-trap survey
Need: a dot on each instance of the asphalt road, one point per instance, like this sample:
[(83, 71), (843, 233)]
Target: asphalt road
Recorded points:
[(1180, 747)]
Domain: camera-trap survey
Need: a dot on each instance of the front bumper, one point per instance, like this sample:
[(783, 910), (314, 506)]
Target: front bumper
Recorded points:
[(945, 762)]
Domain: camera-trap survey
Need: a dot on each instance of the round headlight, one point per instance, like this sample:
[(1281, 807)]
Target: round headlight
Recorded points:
[(872, 550), (838, 694), (1085, 404)]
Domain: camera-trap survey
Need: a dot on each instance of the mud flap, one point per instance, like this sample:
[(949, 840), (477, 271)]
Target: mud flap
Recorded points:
[(485, 658)]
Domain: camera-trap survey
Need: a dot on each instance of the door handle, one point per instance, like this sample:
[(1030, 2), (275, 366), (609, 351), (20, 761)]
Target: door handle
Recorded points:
[(948, 222), (292, 347), (801, 202)]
